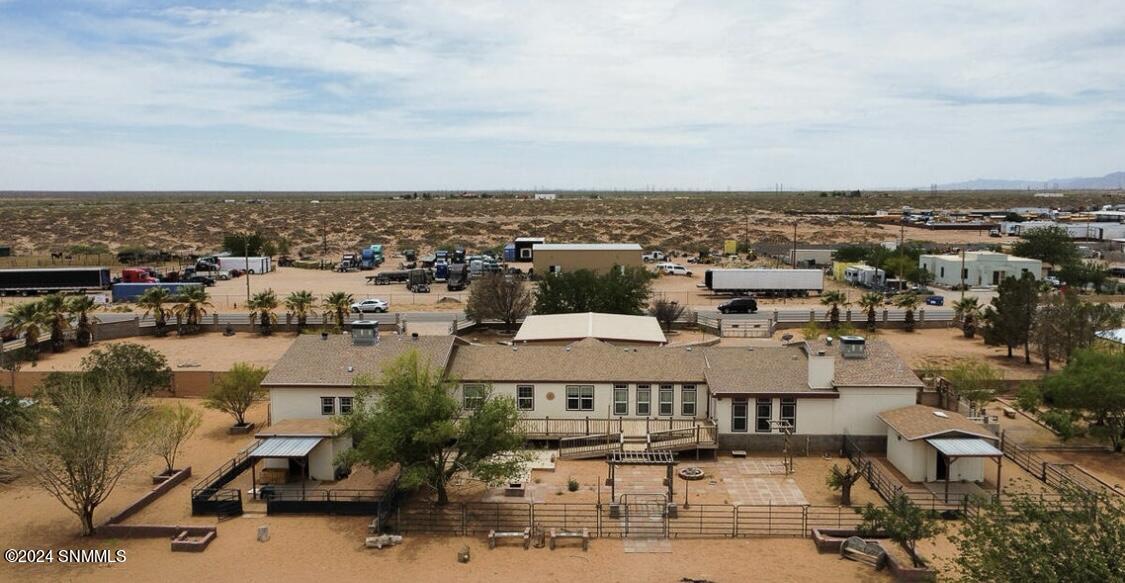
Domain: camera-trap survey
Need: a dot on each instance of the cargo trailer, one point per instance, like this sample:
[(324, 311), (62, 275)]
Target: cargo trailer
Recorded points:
[(52, 279), (129, 292), (782, 282)]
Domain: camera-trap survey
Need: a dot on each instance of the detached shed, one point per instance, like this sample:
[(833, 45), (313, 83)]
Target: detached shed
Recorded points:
[(933, 445)]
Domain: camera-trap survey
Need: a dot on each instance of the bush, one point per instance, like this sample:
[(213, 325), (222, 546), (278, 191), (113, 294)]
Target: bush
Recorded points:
[(1029, 398), (572, 485), (1062, 422)]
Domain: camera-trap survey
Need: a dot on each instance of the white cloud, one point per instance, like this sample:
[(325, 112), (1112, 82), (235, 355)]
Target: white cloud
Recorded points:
[(815, 94)]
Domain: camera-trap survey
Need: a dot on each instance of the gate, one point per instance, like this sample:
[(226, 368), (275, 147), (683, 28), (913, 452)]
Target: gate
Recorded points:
[(644, 515)]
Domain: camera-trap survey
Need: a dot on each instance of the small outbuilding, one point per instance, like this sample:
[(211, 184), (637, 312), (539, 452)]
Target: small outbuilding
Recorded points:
[(568, 257), (614, 328), (978, 268), (927, 444)]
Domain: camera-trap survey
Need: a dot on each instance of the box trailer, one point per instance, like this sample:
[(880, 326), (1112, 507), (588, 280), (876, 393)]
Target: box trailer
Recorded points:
[(251, 264), (46, 280), (128, 292), (787, 282)]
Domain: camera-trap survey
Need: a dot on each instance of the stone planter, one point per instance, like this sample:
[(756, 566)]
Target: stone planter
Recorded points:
[(241, 429), (830, 540), (162, 477)]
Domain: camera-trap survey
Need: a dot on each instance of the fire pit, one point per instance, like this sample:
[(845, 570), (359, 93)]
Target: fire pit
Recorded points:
[(691, 473)]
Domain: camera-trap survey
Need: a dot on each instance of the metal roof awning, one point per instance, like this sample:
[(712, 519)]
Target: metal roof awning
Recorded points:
[(955, 447), (285, 447)]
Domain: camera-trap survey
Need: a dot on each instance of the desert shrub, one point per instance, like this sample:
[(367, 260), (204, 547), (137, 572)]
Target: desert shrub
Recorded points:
[(1062, 422), (572, 485), (1029, 398)]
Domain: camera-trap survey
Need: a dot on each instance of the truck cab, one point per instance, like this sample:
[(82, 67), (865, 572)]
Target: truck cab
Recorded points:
[(137, 275)]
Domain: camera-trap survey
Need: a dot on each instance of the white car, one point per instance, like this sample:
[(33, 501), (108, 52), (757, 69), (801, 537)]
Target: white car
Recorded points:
[(372, 305), (672, 269)]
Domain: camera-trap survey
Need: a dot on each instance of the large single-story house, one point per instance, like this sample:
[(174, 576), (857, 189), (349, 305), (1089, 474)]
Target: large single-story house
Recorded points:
[(724, 397), (978, 268), (567, 328)]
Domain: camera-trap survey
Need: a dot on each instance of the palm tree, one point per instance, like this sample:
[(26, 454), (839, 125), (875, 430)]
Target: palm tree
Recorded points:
[(191, 308), (26, 319), (338, 304), (834, 298), (968, 309), (299, 304), (153, 301), (869, 301), (907, 301), (53, 310), (81, 306), (262, 305)]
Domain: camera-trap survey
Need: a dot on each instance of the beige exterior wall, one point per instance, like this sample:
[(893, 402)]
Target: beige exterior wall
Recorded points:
[(303, 402), (550, 399), (854, 413), (917, 460), (814, 416), (594, 259)]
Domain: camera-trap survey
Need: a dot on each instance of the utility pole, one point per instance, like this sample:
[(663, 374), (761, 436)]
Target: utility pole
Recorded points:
[(794, 260), (323, 243), (962, 273), (246, 256)]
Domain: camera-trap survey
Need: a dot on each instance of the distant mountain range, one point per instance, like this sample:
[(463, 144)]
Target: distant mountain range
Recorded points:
[(1113, 181)]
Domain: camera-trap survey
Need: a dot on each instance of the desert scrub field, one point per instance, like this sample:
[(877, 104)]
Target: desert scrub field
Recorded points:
[(40, 223)]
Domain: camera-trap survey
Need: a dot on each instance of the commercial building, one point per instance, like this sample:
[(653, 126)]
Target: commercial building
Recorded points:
[(978, 268), (560, 257)]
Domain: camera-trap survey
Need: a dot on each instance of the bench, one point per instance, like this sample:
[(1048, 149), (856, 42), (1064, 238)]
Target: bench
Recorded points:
[(494, 535), (583, 534), (738, 453), (1009, 412)]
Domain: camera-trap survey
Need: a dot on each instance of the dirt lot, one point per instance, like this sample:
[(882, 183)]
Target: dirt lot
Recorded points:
[(943, 346), (210, 352)]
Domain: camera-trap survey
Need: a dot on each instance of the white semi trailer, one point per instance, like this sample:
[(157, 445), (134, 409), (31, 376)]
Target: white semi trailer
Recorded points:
[(221, 263), (786, 282)]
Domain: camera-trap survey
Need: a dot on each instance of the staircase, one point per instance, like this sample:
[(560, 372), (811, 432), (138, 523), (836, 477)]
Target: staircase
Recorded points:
[(589, 446)]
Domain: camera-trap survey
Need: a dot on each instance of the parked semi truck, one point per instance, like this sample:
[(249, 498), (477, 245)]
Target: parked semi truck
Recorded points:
[(46, 280), (128, 292), (371, 257), (241, 264), (785, 282), (458, 277)]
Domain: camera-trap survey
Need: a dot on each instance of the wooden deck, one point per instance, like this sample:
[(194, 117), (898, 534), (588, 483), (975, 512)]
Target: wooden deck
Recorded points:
[(633, 435)]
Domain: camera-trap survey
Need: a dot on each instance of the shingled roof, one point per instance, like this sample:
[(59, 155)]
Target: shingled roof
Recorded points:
[(314, 361), (586, 361), (882, 367), (919, 422), (758, 371)]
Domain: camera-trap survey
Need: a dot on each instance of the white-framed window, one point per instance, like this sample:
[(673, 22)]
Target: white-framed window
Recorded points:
[(763, 413), (667, 394), (644, 400), (472, 397), (620, 399), (328, 405), (687, 401), (525, 253), (580, 398), (738, 415), (525, 397), (554, 269), (789, 412), (345, 405)]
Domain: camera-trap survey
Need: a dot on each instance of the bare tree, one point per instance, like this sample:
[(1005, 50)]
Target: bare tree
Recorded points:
[(499, 297), (167, 428), (83, 442), (666, 312)]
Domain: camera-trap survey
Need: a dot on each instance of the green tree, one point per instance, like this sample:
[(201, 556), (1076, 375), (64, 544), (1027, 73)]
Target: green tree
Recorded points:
[(968, 311), (191, 307), (908, 301), (902, 521), (142, 369), (975, 381), (26, 319), (499, 297), (1093, 385), (55, 317), (852, 253), (1077, 539), (81, 306), (153, 302), (842, 481), (1009, 318), (615, 291), (300, 304), (262, 305), (167, 428), (244, 244), (1065, 323), (411, 420), (236, 390), (666, 312), (1047, 244), (338, 303), (834, 298), (869, 302), (84, 440)]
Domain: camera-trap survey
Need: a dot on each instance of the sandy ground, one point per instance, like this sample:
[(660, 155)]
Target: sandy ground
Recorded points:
[(210, 352), (944, 346)]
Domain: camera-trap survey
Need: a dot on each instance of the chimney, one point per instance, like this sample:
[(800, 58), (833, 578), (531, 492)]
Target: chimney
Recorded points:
[(822, 368), (365, 333)]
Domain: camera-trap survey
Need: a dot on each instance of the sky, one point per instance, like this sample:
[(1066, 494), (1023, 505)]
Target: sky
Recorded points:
[(542, 95)]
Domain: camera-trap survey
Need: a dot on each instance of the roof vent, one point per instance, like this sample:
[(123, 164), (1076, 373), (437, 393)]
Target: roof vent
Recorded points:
[(853, 347), (941, 414), (689, 349), (351, 369), (820, 353), (414, 335), (365, 333), (568, 349), (514, 348), (324, 336), (828, 340)]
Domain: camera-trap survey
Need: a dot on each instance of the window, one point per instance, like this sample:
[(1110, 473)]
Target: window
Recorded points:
[(554, 269), (525, 253), (738, 412), (473, 396), (789, 412), (943, 271), (687, 401), (965, 273), (620, 399), (525, 397), (328, 405), (666, 395), (763, 414), (580, 398), (644, 400), (345, 405)]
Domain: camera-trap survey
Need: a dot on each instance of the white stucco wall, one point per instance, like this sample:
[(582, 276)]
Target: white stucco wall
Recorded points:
[(909, 457), (857, 409), (550, 400), (963, 469), (303, 403), (979, 272), (814, 416)]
